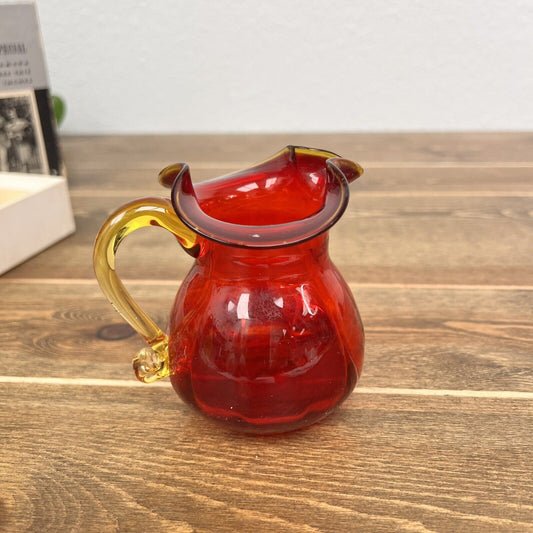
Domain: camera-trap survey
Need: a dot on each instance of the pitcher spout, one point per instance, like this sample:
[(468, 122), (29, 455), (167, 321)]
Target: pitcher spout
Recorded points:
[(349, 169), (169, 174)]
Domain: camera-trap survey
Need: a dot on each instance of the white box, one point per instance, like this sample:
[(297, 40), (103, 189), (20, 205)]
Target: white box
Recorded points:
[(35, 212)]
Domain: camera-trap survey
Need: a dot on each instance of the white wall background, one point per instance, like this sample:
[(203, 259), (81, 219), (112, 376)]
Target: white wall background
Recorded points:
[(281, 65)]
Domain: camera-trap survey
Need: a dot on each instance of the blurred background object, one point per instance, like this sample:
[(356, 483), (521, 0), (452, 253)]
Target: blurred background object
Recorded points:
[(60, 108)]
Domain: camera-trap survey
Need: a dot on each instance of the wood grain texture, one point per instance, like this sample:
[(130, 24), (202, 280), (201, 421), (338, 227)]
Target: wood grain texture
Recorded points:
[(436, 247), (432, 239), (427, 180), (435, 338), (379, 464), (155, 151)]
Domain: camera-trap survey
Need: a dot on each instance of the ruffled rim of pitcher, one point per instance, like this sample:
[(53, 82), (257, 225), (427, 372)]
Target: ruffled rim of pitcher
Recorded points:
[(188, 209)]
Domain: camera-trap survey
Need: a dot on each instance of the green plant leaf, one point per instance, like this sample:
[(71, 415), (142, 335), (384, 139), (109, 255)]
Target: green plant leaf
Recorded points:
[(60, 108)]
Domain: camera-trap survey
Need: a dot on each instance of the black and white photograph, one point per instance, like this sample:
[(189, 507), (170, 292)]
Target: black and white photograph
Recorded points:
[(21, 139)]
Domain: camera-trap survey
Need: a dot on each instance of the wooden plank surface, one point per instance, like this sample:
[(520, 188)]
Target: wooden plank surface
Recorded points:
[(391, 463), (436, 246), (388, 238), (142, 462), (484, 334), (398, 149)]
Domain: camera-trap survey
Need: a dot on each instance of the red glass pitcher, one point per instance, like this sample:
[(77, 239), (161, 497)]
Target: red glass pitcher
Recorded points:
[(264, 333)]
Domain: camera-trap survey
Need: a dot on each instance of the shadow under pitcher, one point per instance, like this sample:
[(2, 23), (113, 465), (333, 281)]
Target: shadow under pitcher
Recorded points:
[(264, 334)]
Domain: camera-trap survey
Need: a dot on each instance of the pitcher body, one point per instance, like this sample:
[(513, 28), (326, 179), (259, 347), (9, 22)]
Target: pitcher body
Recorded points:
[(265, 343)]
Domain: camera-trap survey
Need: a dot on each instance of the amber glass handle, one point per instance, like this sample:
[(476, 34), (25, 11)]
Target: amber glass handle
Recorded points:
[(151, 363)]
